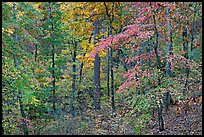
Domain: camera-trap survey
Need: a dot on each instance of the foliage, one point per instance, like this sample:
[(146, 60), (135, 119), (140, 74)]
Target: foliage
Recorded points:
[(48, 53)]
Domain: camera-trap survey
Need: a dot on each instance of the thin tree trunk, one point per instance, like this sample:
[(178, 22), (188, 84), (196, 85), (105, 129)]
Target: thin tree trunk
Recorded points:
[(36, 52), (185, 48), (156, 46), (111, 18), (73, 81), (148, 61), (53, 59), (169, 46), (108, 74), (109, 57), (143, 47), (112, 75), (192, 29), (80, 72), (160, 117), (96, 72), (80, 97), (25, 128), (112, 82)]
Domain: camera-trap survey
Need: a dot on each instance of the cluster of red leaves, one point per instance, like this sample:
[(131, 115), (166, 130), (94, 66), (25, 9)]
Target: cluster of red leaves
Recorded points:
[(141, 29), (131, 79), (102, 45), (144, 56), (131, 31), (132, 73), (127, 85)]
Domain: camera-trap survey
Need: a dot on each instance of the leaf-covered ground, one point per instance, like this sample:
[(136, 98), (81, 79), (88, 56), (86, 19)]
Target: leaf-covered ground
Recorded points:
[(179, 124), (183, 118), (176, 123)]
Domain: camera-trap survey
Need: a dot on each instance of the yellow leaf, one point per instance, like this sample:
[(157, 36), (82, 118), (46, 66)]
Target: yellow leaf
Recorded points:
[(87, 55), (11, 30), (102, 53), (79, 57), (90, 47), (65, 51)]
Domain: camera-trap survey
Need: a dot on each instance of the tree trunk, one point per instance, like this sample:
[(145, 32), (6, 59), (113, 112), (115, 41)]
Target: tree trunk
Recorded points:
[(96, 72), (142, 52), (167, 100), (111, 18), (53, 59), (148, 61), (108, 74), (160, 117), (192, 29), (156, 47), (108, 71), (169, 46), (185, 48), (36, 52), (112, 82), (25, 128), (73, 81), (80, 97)]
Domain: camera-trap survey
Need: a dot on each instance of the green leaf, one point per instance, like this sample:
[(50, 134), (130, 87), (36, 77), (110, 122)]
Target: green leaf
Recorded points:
[(136, 130)]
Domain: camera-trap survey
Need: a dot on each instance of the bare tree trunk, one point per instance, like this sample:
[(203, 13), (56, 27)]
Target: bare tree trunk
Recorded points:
[(112, 82), (111, 18), (108, 74), (96, 72), (53, 60), (156, 47)]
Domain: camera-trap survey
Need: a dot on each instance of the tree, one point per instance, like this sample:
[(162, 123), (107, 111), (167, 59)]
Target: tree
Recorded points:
[(96, 71), (25, 128), (110, 57), (169, 46), (53, 56), (193, 22)]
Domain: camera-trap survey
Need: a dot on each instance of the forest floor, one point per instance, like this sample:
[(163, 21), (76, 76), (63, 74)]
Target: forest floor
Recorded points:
[(183, 119), (99, 123), (174, 123), (179, 124), (179, 120)]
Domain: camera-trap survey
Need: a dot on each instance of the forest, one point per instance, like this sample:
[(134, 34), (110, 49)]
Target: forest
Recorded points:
[(101, 68)]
